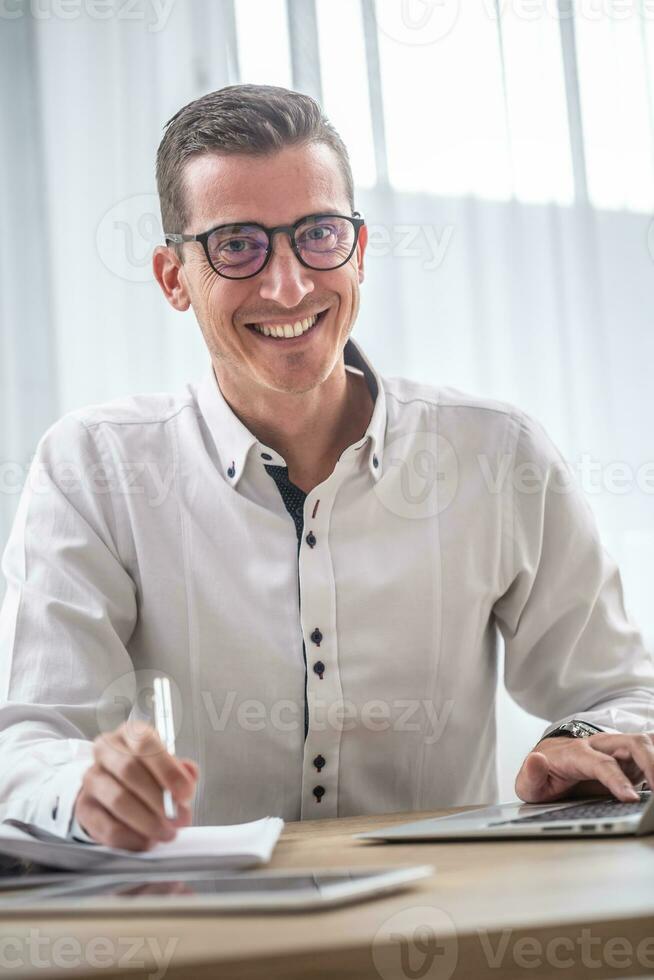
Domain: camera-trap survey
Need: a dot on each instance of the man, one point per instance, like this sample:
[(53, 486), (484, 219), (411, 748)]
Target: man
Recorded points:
[(325, 573)]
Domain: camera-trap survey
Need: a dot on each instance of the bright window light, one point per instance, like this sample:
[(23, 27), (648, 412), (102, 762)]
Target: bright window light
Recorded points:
[(260, 61), (614, 81), (537, 112), (344, 80), (443, 98)]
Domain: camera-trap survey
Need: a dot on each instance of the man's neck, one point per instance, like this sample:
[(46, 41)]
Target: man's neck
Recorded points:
[(310, 430)]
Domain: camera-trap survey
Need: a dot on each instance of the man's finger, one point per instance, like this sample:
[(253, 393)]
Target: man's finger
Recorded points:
[(639, 748), (533, 778), (166, 769), (607, 771), (106, 829), (132, 773), (121, 803)]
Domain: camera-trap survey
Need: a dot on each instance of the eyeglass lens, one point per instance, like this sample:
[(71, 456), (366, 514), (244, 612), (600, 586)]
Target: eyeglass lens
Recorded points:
[(240, 250)]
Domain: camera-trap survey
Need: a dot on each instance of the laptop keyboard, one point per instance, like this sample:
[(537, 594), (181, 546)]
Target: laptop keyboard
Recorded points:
[(597, 810)]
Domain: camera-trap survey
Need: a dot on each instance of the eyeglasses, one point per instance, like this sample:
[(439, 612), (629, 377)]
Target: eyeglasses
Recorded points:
[(238, 251)]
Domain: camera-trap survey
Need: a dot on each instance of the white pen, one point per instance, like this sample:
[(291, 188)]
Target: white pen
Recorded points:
[(163, 719)]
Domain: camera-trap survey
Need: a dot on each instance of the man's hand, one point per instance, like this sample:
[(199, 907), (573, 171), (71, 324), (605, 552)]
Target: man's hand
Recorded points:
[(561, 767), (120, 802)]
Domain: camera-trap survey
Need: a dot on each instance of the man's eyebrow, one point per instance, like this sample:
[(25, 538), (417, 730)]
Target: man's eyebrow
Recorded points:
[(253, 221)]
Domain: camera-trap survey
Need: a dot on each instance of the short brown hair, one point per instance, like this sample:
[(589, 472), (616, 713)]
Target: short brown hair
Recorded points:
[(256, 119)]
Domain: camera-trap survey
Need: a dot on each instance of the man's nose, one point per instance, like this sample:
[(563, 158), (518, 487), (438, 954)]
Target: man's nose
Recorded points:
[(285, 280)]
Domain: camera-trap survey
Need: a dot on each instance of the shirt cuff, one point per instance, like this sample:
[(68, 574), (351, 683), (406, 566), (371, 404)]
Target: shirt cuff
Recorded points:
[(75, 832), (54, 811)]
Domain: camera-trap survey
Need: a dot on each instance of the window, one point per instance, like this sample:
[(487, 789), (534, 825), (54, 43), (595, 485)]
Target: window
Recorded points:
[(263, 63), (344, 78), (474, 93)]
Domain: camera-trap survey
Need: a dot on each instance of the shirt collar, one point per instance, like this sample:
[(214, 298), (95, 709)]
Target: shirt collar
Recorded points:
[(233, 440)]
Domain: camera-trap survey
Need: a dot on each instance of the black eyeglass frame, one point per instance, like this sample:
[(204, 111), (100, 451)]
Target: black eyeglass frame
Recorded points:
[(356, 219)]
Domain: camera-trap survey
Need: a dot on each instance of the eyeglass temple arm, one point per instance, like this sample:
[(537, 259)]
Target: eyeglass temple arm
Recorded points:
[(177, 239)]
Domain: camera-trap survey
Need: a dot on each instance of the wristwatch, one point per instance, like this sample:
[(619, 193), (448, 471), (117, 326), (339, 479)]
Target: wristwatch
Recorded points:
[(573, 729)]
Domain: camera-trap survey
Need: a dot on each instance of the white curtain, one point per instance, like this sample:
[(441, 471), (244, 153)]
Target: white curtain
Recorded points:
[(511, 257)]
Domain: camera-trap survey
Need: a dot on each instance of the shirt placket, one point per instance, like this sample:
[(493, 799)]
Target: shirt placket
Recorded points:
[(293, 498), (311, 514), (321, 764)]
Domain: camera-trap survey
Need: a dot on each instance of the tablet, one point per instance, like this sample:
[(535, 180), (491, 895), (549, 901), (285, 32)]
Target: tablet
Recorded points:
[(176, 893)]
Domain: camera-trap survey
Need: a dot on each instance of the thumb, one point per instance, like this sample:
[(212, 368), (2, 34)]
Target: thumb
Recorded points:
[(192, 770), (191, 767), (532, 781)]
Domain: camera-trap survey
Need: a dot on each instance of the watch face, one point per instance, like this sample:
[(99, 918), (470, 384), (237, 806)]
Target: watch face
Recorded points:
[(580, 729), (574, 729)]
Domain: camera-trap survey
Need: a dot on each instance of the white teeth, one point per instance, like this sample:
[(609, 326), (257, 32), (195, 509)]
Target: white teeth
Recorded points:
[(287, 329)]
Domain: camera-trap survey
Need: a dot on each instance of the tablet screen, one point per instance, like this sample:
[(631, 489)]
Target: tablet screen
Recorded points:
[(203, 884), (228, 891)]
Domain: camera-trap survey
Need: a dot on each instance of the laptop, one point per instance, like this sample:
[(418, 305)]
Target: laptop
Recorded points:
[(597, 817)]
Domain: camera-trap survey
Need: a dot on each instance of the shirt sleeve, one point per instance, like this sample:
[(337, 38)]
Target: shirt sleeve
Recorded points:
[(571, 650), (68, 613)]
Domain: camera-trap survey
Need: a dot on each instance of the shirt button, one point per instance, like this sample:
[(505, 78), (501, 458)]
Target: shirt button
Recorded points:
[(311, 539), (316, 636), (318, 792), (55, 809), (266, 456), (319, 668), (231, 471), (319, 762), (299, 510), (375, 461)]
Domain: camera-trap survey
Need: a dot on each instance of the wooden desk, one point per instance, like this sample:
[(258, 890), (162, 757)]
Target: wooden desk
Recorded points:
[(572, 908)]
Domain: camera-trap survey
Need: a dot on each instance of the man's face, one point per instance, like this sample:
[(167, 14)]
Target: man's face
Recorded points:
[(271, 190)]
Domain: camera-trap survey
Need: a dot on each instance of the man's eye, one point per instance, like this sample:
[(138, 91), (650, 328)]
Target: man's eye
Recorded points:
[(235, 245), (322, 235), (318, 233)]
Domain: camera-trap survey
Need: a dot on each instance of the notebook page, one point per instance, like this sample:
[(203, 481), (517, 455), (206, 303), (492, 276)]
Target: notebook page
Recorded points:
[(256, 838)]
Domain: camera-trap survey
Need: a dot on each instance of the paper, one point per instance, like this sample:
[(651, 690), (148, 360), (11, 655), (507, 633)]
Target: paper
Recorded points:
[(231, 847)]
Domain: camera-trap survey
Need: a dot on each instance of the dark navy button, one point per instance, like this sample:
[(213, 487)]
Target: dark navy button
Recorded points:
[(299, 510), (311, 539), (266, 456), (319, 668), (375, 461), (318, 792), (55, 809), (319, 762), (231, 471), (316, 636)]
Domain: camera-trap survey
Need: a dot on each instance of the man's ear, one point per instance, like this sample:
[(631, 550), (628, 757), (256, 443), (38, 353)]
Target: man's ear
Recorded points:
[(170, 274), (361, 248)]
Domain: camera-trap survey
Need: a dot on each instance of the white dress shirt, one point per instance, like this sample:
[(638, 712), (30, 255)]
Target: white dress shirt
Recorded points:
[(151, 538)]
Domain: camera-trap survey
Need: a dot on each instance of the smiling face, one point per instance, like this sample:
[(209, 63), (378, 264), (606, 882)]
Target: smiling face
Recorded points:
[(271, 190)]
